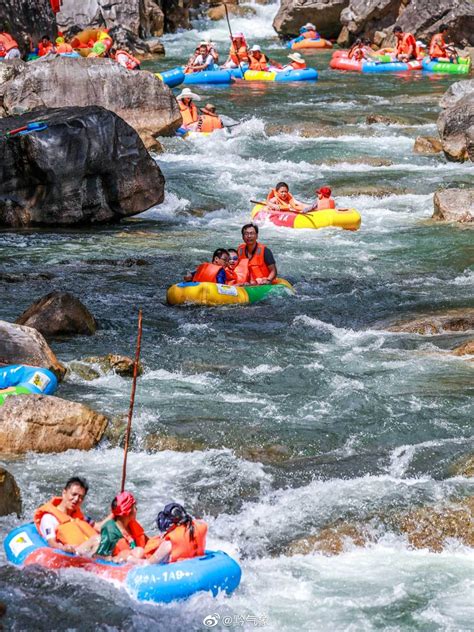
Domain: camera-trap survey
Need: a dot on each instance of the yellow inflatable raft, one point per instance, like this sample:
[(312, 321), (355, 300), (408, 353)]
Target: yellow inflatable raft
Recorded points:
[(214, 294), (348, 219)]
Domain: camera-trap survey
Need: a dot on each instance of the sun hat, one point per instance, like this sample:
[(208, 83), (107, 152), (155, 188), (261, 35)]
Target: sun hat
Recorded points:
[(256, 47), (209, 109), (124, 503), (187, 94), (309, 25), (296, 57)]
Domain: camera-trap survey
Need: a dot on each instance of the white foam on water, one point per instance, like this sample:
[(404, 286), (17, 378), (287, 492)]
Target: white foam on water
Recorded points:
[(262, 369)]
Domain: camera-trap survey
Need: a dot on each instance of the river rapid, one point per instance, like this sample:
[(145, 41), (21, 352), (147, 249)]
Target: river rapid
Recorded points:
[(288, 416)]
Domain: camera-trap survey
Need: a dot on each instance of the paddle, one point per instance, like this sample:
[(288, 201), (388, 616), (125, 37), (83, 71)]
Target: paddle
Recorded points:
[(132, 400), (232, 39)]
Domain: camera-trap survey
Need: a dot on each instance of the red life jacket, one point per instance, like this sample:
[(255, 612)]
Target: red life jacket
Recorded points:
[(8, 42), (240, 274), (131, 63), (241, 54), (407, 45), (72, 529), (437, 46), (44, 49), (257, 267), (136, 534), (310, 34), (188, 112), (183, 547), (209, 123), (207, 272)]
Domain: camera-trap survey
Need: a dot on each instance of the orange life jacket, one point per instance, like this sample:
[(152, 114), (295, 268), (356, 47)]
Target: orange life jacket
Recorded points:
[(72, 529), (310, 34), (407, 45), (285, 205), (207, 272), (131, 62), (8, 42), (183, 547), (298, 65), (136, 533), (257, 267), (241, 54), (356, 53), (240, 274), (258, 64), (64, 48), (188, 112), (44, 50), (326, 203), (209, 122), (437, 46)]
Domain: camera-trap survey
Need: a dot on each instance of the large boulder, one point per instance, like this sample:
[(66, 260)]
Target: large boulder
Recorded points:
[(24, 345), (325, 14), (456, 122), (23, 18), (438, 323), (88, 166), (10, 498), (59, 314), (365, 17), (42, 423), (454, 205), (142, 100)]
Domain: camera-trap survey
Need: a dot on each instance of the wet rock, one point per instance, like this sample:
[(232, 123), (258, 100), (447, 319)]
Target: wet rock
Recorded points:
[(101, 173), (456, 122), (115, 431), (25, 276), (158, 443), (427, 145), (365, 17), (119, 364), (373, 119), (140, 98), (467, 348), (42, 423), (453, 320), (362, 160), (83, 370), (59, 314), (465, 466), (454, 205), (331, 540), (218, 12), (129, 262), (25, 345), (325, 14), (306, 130), (23, 18), (10, 497), (269, 454), (373, 190)]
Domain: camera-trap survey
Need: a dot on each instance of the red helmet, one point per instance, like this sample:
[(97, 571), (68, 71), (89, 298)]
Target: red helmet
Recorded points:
[(325, 191)]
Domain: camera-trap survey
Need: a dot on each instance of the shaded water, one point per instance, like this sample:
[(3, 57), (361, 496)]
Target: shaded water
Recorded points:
[(301, 412)]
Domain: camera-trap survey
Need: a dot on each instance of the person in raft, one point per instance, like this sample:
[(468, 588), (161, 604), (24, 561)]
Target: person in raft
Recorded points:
[(63, 47), (407, 48), (209, 120), (358, 51), (202, 61), (61, 521), (308, 31), (257, 60), (280, 199), (125, 59), (45, 46), (324, 200), (439, 50), (188, 109), (183, 536), (238, 52), (261, 263), (297, 62), (9, 48), (214, 272)]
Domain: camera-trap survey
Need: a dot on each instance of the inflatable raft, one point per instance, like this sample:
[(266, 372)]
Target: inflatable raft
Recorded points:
[(214, 294), (463, 67), (171, 78), (19, 379), (161, 583), (100, 40), (340, 61), (208, 76), (310, 44), (308, 74), (348, 219)]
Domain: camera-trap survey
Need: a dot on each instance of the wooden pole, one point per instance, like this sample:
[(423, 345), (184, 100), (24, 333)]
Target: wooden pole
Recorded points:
[(232, 39), (132, 400)]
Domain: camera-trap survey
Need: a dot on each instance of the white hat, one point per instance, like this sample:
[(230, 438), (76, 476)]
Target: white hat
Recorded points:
[(420, 44), (308, 25), (203, 43), (256, 47), (187, 94), (296, 57)]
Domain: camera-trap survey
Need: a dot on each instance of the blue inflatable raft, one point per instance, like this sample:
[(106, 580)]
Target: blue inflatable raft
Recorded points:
[(208, 76), (19, 379), (161, 583), (171, 78)]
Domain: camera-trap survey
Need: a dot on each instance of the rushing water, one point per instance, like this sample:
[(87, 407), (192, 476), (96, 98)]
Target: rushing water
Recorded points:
[(296, 413)]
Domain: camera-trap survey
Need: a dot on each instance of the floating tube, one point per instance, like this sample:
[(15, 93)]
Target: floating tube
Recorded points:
[(463, 67), (341, 61), (391, 66), (161, 583), (171, 78), (19, 379), (308, 74), (81, 40), (348, 219), (308, 44), (214, 294), (208, 76)]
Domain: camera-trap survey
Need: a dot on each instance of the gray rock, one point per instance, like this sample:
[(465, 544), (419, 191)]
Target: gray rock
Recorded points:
[(59, 314), (88, 166), (366, 17), (325, 14), (455, 92), (23, 18), (454, 205), (427, 145), (456, 123), (10, 498)]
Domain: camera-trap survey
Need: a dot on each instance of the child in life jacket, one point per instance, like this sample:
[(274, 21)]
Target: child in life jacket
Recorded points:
[(325, 201), (122, 538), (280, 199), (238, 52), (184, 536), (237, 272), (214, 272)]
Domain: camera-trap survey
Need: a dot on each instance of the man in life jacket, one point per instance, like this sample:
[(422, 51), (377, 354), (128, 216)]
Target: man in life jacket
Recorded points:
[(297, 62), (122, 537), (280, 199), (126, 59), (9, 48), (407, 47), (261, 263), (310, 31), (211, 272), (61, 521), (238, 52), (202, 61), (257, 60), (45, 46), (209, 120), (182, 534), (188, 109), (439, 50)]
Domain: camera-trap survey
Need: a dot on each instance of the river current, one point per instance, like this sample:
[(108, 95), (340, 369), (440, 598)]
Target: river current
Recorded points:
[(288, 416)]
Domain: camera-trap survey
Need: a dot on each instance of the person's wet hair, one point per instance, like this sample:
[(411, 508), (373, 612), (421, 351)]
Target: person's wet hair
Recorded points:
[(247, 226), (76, 480)]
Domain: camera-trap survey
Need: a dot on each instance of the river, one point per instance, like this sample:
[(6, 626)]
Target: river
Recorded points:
[(288, 416)]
